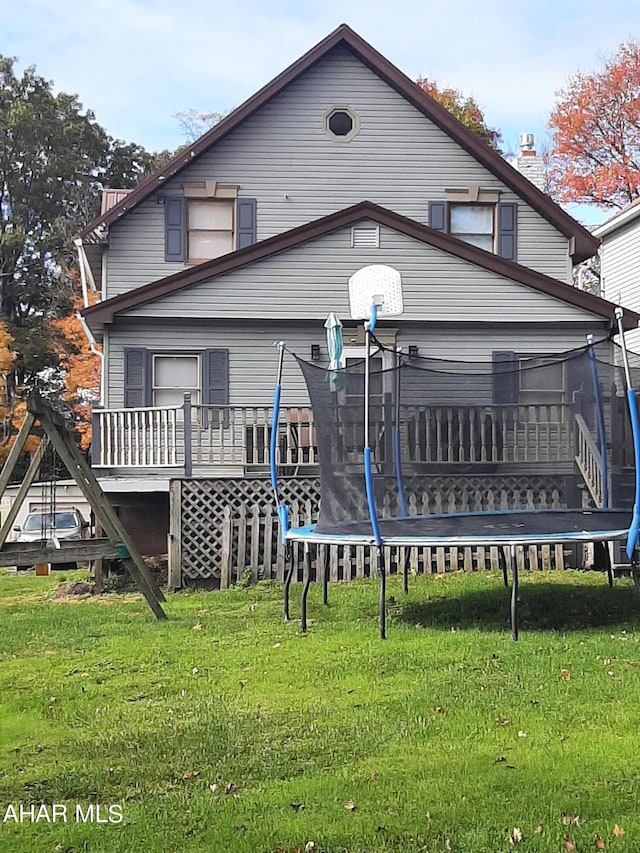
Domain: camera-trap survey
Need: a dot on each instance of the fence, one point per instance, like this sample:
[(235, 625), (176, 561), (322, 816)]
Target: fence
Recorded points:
[(221, 528)]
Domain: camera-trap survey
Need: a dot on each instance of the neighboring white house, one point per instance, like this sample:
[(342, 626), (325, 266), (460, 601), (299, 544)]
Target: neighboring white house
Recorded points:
[(620, 261)]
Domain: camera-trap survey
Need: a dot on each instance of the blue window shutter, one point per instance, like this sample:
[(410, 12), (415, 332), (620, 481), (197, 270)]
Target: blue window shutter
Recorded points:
[(137, 377), (246, 209), (215, 384), (505, 378), (508, 231), (174, 229), (438, 215)]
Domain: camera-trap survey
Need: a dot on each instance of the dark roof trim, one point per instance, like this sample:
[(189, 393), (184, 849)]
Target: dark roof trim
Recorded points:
[(586, 244), (104, 312)]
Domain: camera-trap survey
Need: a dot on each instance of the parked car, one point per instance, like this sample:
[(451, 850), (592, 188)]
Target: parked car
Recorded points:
[(41, 526)]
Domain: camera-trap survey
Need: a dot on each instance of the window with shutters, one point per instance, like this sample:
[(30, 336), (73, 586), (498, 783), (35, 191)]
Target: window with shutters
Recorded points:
[(210, 229), (478, 217), (172, 377)]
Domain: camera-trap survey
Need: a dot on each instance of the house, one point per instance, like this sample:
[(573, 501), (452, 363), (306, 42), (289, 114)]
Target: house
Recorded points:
[(250, 235), (620, 261)]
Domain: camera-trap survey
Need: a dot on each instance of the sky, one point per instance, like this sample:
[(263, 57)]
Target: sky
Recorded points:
[(136, 63)]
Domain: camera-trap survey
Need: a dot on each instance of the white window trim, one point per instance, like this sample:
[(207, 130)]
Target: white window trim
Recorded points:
[(195, 391)]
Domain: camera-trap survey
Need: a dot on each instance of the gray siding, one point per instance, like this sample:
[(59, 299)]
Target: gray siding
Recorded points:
[(310, 280), (282, 157), (253, 358)]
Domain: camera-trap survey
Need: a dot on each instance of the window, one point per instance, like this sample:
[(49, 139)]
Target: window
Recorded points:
[(479, 218), (473, 223), (173, 375), (341, 124), (210, 228), (207, 222), (541, 382)]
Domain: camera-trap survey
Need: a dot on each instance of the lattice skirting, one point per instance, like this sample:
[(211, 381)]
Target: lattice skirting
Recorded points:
[(222, 527)]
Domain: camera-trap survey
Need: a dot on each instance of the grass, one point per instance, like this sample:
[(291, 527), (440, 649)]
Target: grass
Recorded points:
[(225, 730)]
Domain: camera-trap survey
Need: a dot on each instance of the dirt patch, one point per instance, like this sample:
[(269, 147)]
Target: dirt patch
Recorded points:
[(67, 590)]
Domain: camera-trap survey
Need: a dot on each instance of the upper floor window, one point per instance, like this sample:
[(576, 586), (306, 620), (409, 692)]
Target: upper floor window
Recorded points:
[(210, 229), (474, 223), (341, 124), (207, 222), (478, 217)]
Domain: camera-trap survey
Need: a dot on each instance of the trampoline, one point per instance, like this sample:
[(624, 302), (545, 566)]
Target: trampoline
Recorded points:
[(386, 423)]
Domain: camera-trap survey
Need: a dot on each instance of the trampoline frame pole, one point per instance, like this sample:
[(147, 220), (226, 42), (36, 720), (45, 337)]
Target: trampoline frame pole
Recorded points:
[(600, 421), (397, 446), (632, 539)]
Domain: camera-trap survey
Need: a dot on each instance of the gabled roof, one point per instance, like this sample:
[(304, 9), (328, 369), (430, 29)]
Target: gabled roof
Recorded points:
[(584, 245), (104, 312)]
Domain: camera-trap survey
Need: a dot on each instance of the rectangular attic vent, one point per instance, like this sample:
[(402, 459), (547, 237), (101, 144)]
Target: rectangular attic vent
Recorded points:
[(365, 237)]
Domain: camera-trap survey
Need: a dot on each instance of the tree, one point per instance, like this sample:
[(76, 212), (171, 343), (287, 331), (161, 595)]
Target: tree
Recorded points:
[(54, 161), (194, 123), (596, 125), (464, 108), (79, 367)]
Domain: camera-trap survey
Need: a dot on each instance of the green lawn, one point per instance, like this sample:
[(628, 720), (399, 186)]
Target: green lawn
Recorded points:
[(225, 730)]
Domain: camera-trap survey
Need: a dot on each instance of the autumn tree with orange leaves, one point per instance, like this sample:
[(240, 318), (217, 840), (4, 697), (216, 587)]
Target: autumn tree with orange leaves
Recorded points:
[(464, 108), (79, 368), (596, 125)]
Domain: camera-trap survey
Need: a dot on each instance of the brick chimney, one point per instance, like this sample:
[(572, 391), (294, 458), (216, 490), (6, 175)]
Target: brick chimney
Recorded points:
[(529, 164)]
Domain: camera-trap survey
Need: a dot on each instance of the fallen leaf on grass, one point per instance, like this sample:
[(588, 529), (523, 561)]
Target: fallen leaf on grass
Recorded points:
[(277, 645), (522, 733), (502, 721), (447, 842), (539, 828), (516, 836), (191, 774), (297, 807), (618, 831), (310, 847), (568, 843), (373, 777), (213, 788), (564, 673), (231, 788), (599, 843), (571, 819), (350, 806)]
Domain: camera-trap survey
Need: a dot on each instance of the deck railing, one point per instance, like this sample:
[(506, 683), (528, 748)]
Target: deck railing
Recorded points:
[(194, 435), (589, 461)]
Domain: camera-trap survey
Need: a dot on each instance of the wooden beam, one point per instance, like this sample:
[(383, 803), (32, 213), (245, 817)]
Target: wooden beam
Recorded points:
[(22, 491), (70, 551), (16, 450), (111, 524)]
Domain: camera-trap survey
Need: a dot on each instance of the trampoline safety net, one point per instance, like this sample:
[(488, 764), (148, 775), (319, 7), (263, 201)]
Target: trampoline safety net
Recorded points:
[(430, 417)]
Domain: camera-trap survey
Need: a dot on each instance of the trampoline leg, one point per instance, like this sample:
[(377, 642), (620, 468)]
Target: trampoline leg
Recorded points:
[(288, 558), (382, 602), (636, 579), (608, 562), (305, 587), (502, 562), (325, 577), (405, 573), (514, 592)]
